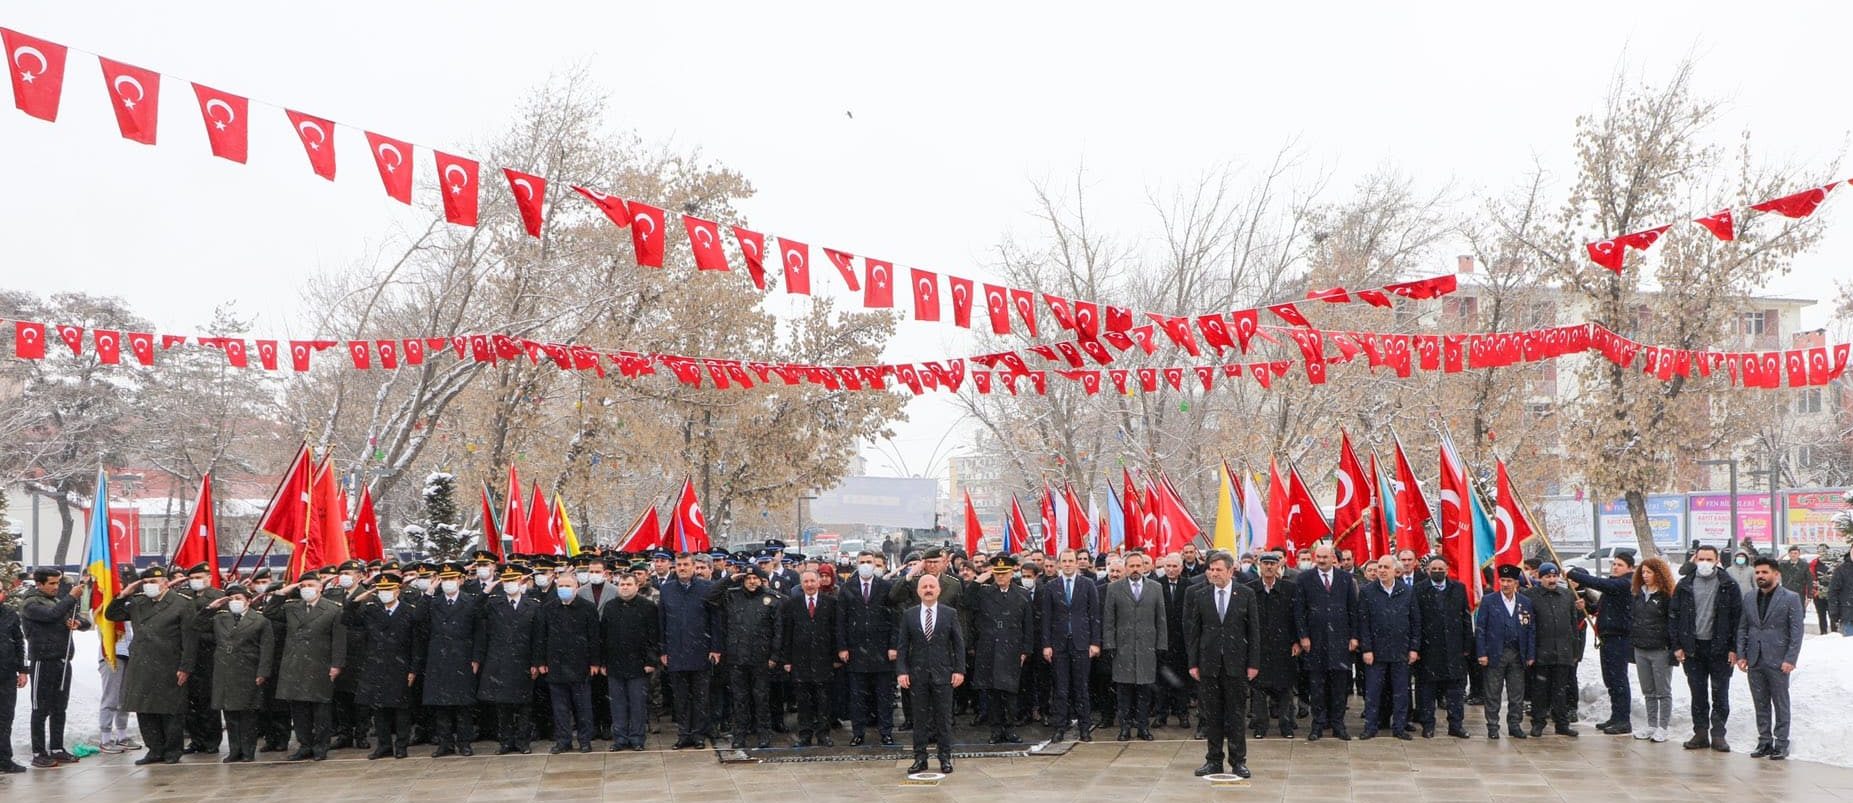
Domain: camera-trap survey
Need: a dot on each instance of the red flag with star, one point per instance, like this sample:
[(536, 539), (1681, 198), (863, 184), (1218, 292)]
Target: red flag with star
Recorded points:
[(1798, 205), (704, 239), (37, 69), (135, 96), (961, 290), (227, 130), (29, 340), (878, 284), (614, 207), (530, 193), (1024, 302), (141, 344), (646, 233), (393, 157), (108, 345), (318, 141), (796, 257), (845, 265), (926, 294), (1719, 224), (73, 336), (753, 250), (457, 179)]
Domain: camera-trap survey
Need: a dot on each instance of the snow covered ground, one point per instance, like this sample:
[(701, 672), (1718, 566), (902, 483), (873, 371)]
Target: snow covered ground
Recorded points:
[(1819, 693)]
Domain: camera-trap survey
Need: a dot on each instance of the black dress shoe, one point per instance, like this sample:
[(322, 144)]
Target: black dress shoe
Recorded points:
[(638, 746), (919, 765), (1566, 731), (739, 743), (465, 749), (379, 752), (557, 749), (1259, 733), (1087, 733), (1341, 734), (1428, 731), (1493, 735), (398, 751), (1760, 751), (1404, 735), (1779, 752), (1721, 745), (1145, 734), (300, 755), (887, 741), (147, 759), (503, 750), (1458, 733), (234, 758), (1208, 768), (945, 767), (1125, 735), (442, 752), (1010, 737), (1367, 736), (1517, 733), (1061, 734), (855, 741), (1312, 736), (1240, 770), (1536, 731)]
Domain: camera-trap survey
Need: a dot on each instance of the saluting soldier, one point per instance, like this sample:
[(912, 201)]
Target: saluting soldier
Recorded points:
[(244, 648), (314, 652), (1003, 637), (452, 621), (510, 659), (394, 637), (350, 716), (273, 721), (166, 647), (747, 614), (202, 722)]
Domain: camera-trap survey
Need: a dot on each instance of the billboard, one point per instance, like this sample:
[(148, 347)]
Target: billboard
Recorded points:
[(1567, 523), (1666, 515), (1711, 518), (1811, 517), (878, 501)]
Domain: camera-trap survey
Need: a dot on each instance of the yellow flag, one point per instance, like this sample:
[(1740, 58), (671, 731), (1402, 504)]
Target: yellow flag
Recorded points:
[(1224, 536), (567, 537)]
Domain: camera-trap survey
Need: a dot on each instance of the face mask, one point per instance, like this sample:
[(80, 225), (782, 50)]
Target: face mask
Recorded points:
[(422, 584), (309, 594), (1742, 561), (1704, 568), (484, 573), (261, 588), (1029, 582), (565, 593), (449, 586), (386, 597), (197, 585), (153, 589), (237, 606), (347, 581), (1438, 577), (582, 577), (543, 580), (597, 579), (511, 587), (865, 571)]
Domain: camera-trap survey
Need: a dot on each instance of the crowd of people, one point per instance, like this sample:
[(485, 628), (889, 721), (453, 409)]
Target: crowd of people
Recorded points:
[(735, 648)]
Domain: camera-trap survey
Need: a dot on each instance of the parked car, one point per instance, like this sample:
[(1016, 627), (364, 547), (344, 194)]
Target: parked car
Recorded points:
[(1597, 561)]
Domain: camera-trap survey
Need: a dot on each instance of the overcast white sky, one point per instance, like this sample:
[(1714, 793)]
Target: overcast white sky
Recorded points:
[(957, 109)]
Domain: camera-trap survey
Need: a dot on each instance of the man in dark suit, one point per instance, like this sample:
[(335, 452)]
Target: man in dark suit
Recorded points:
[(1769, 643), (930, 655), (1390, 626), (865, 644), (1447, 643), (806, 649), (1505, 642), (688, 624), (1174, 686), (1327, 618), (1221, 627), (1070, 641)]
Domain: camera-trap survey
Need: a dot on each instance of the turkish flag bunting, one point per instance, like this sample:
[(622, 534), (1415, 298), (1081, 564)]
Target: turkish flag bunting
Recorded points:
[(1146, 337), (389, 353), (457, 178), (1087, 319), (135, 94), (1451, 353), (1797, 362), (37, 69), (1175, 378), (1336, 295), (393, 157), (1799, 205), (1215, 332), (1247, 321), (797, 259), (72, 336), (961, 290), (613, 206), (1119, 319), (235, 352), (414, 351), (227, 130), (1819, 372), (1262, 375), (1289, 313), (1148, 380), (1070, 352), (1432, 287), (1058, 306), (29, 340), (753, 250), (1119, 375), (878, 287), (1024, 302), (844, 262), (358, 350), (1178, 329), (926, 294), (299, 352), (1092, 348), (704, 239), (997, 303), (141, 344), (109, 346), (981, 382), (1719, 224), (646, 233), (318, 141), (1375, 298), (1207, 375), (505, 346), (267, 354), (530, 193)]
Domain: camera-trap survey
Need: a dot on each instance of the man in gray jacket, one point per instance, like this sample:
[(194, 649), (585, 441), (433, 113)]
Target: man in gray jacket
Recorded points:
[(1769, 643), (1133, 631)]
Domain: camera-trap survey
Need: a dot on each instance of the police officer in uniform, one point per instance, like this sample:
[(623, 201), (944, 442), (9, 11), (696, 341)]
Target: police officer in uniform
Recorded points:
[(747, 614)]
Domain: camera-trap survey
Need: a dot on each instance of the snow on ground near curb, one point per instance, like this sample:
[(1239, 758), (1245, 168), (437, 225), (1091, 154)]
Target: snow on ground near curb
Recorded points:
[(1819, 691)]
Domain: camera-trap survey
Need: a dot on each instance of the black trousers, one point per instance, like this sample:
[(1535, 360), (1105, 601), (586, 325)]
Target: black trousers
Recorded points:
[(572, 711), (511, 724), (1617, 653), (1068, 700), (750, 687), (1175, 688), (241, 734), (1000, 709), (689, 691), (1271, 703), (162, 733), (813, 708), (871, 702), (202, 722), (391, 725), (314, 722), (9, 700), (1709, 679), (1225, 700), (1330, 692), (1135, 704), (933, 718), (1552, 694), (1033, 689), (452, 725), (350, 720), (1453, 692), (273, 721), (51, 695)]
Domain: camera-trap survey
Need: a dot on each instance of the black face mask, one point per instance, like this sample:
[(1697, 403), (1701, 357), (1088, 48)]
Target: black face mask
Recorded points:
[(1438, 577)]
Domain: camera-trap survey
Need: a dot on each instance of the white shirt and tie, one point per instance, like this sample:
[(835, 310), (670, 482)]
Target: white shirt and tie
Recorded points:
[(1136, 584), (1222, 602), (928, 618)]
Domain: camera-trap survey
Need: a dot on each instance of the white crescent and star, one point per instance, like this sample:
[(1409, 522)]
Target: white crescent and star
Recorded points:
[(463, 178), (925, 287), (524, 188), (303, 128), (995, 301), (397, 157), (706, 235), (793, 259), (140, 94), (29, 335), (1347, 490), (230, 116), (640, 219), (879, 276), (750, 248), (27, 75), (1506, 530)]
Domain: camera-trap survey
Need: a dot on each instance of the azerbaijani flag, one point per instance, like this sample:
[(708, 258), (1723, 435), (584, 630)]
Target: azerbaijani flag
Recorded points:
[(99, 564), (568, 538)]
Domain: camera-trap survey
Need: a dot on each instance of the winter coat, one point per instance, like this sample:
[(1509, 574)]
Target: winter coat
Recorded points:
[(569, 639), (508, 650), (1003, 636), (1555, 613), (243, 646), (1611, 620), (747, 623), (1840, 591), (1389, 623), (12, 644), (453, 635), (688, 623), (1134, 631), (314, 641), (1494, 629), (1328, 618), (807, 640), (1447, 630), (1649, 620), (165, 642), (1727, 610), (1273, 651), (48, 637), (865, 627), (394, 648), (630, 637)]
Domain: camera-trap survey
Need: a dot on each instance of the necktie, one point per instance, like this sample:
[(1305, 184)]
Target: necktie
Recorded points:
[(1222, 603), (1068, 590), (811, 602), (1328, 580), (1135, 592), (929, 624), (865, 591)]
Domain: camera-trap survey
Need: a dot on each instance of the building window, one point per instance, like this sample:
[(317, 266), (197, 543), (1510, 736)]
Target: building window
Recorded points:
[(1754, 323), (1804, 457), (1808, 401)]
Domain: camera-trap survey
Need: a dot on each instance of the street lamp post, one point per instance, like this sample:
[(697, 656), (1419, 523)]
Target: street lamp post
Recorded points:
[(1732, 462), (800, 506), (1775, 478)]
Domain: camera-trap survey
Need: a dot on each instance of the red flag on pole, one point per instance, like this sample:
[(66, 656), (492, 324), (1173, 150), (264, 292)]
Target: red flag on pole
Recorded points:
[(644, 533), (492, 537), (1412, 514), (974, 534), (1510, 528), (1456, 521), (1305, 524), (1379, 512), (514, 519), (200, 542), (1277, 515), (286, 517), (1351, 511), (540, 525), (363, 542), (1048, 521), (691, 525), (1176, 527), (1016, 535), (1077, 520)]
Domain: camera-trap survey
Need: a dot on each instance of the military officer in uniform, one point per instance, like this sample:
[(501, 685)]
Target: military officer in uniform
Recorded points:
[(166, 647), (203, 726), (1003, 637), (510, 659), (314, 653), (452, 621), (394, 639), (243, 650)]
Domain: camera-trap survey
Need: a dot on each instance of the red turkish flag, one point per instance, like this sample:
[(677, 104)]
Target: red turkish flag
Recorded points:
[(1024, 302), (318, 141), (227, 130), (1819, 373), (1289, 313), (108, 344), (170, 341), (1770, 365), (393, 156), (1451, 353), (1336, 295), (37, 69), (1069, 352), (358, 349), (1719, 224), (72, 336), (1119, 319), (845, 265), (234, 350), (389, 353), (141, 344), (299, 353), (1148, 379), (1215, 332), (704, 239), (363, 542), (457, 178), (1797, 362), (1207, 375), (1178, 329), (1175, 378), (530, 193), (1059, 307), (1087, 319), (997, 303), (753, 250), (1247, 321), (613, 206), (414, 351), (1799, 205), (135, 95), (267, 354), (926, 294), (1352, 509), (878, 289), (1375, 298), (1099, 352), (1119, 376), (646, 233), (796, 257), (1432, 287), (199, 543), (29, 340), (1607, 253), (961, 290)]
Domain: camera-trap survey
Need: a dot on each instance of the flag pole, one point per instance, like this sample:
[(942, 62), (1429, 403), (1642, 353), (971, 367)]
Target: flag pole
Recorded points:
[(1525, 510), (243, 550)]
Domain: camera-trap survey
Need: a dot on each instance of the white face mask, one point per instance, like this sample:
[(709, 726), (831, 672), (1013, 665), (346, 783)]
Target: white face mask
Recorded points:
[(543, 580), (596, 579), (153, 589), (309, 593), (865, 570), (1029, 582), (197, 585), (260, 588), (422, 584), (511, 587), (582, 577), (1704, 568), (449, 586), (237, 606), (386, 597), (484, 573), (347, 581)]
